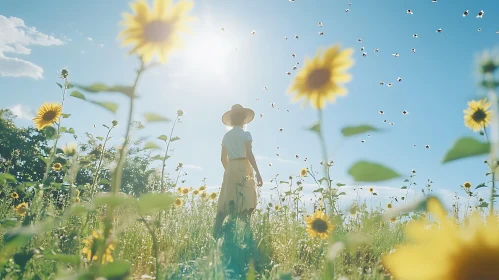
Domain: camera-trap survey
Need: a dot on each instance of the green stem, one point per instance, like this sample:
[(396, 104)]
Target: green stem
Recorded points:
[(99, 165), (166, 154), (325, 157)]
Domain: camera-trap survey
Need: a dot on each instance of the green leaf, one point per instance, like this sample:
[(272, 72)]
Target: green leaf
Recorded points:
[(354, 130), (100, 87), (151, 145), (157, 157), (78, 94), (490, 84), (59, 85), (69, 86), (110, 106), (151, 117), (316, 127), (482, 185), (151, 202), (483, 204), (22, 259), (283, 182), (11, 222), (175, 139), (319, 190), (100, 138), (466, 147), (111, 199), (404, 188), (104, 181), (364, 171), (72, 259), (50, 132), (342, 193), (116, 270), (340, 185), (8, 177), (78, 209), (163, 137), (65, 116)]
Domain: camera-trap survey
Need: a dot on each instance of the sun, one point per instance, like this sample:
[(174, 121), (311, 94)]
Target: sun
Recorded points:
[(209, 53)]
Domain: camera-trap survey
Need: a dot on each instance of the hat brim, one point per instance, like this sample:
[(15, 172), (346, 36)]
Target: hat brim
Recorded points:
[(249, 116)]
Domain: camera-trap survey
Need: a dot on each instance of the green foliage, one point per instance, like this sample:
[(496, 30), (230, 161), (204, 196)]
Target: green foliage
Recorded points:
[(153, 202), (101, 87), (354, 130), (151, 117), (364, 171), (466, 147), (110, 106), (78, 95)]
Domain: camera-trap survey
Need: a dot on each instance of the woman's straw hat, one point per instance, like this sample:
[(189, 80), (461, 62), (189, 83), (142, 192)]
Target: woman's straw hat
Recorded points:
[(238, 109)]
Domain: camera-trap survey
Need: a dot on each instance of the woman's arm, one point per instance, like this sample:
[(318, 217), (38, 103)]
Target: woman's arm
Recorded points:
[(223, 157), (251, 158)]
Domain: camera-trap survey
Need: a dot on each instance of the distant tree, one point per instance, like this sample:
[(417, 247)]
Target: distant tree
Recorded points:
[(21, 149)]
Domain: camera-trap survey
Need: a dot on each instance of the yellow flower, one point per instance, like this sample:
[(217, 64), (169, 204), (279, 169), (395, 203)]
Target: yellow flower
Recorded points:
[(477, 116), (47, 114), (77, 200), (278, 207), (21, 209), (213, 195), (303, 172), (77, 192), (319, 79), (203, 195), (202, 188), (469, 251), (14, 195), (69, 149), (389, 206), (179, 202), (467, 185), (371, 190), (180, 189), (186, 191), (91, 246), (195, 192), (393, 220), (57, 166), (155, 30), (318, 225)]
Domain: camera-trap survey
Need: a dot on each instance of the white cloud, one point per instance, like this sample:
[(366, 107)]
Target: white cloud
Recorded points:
[(191, 166), (90, 39), (101, 45), (21, 112), (16, 38)]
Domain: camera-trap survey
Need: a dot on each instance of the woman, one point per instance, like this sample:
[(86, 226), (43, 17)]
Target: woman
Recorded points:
[(238, 194)]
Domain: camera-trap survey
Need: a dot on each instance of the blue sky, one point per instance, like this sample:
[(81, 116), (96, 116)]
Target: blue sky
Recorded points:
[(217, 69)]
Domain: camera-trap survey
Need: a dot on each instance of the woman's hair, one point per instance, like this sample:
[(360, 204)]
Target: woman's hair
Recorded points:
[(237, 119)]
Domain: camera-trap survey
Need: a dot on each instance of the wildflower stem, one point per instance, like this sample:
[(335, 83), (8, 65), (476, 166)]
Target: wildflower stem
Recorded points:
[(99, 165), (166, 154), (324, 155)]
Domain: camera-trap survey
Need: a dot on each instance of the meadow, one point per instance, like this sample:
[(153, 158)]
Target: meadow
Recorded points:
[(94, 210)]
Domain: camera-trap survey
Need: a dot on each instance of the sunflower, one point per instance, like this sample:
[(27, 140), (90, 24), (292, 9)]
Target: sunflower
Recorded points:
[(91, 246), (47, 114), (155, 29), (213, 195), (467, 185), (319, 79), (371, 190), (21, 209), (469, 251), (477, 116), (303, 172), (319, 225), (179, 202), (202, 188), (14, 195), (389, 206), (69, 149), (57, 166), (278, 207), (195, 192), (180, 190), (203, 195), (186, 191)]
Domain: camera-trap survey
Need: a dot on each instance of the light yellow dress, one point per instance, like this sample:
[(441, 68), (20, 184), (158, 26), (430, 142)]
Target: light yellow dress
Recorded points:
[(238, 188)]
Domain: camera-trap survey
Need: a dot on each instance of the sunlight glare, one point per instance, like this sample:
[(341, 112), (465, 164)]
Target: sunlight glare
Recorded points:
[(208, 53)]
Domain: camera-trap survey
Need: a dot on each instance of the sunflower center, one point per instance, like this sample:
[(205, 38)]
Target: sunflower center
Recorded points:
[(479, 116), (319, 225), (477, 262), (49, 116), (318, 78), (157, 31)]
